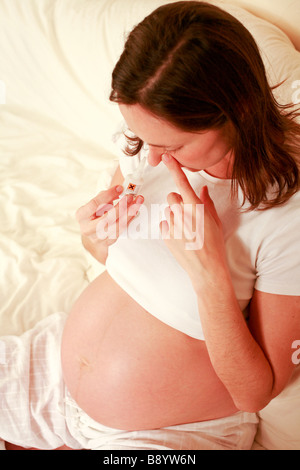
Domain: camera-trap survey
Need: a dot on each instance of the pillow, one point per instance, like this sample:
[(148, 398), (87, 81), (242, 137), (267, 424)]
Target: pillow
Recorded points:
[(279, 12), (281, 59)]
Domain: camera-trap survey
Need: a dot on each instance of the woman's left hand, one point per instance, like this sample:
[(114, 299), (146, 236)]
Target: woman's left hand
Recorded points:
[(193, 231)]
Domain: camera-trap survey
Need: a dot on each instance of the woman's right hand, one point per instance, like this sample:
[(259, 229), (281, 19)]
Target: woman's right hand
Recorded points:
[(101, 222)]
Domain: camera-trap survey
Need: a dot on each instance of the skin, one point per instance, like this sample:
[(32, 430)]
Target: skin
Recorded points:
[(244, 366), (105, 357), (266, 373), (210, 150)]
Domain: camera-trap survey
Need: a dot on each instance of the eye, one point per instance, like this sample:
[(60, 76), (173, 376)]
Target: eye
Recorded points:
[(173, 151)]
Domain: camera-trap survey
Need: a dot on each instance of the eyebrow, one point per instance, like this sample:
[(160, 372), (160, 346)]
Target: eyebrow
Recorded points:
[(167, 147), (155, 145), (160, 146)]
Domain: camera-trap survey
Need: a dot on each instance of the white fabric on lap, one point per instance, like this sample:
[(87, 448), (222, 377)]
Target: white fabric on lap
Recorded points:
[(32, 388), (235, 432)]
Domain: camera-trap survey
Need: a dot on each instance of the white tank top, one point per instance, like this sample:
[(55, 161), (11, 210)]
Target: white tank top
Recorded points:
[(143, 266)]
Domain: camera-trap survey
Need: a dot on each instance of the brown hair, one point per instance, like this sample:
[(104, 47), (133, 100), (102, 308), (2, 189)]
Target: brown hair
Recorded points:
[(198, 68)]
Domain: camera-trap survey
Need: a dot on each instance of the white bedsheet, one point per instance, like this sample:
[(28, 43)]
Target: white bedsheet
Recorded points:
[(55, 154), (43, 265)]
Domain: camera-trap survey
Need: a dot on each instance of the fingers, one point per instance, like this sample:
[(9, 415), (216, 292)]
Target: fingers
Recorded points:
[(209, 204), (175, 210), (187, 193), (174, 198), (100, 217), (116, 220), (185, 221), (89, 210), (164, 229), (181, 181)]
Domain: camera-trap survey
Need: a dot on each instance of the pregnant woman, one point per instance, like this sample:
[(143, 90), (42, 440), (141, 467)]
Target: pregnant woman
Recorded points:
[(178, 345)]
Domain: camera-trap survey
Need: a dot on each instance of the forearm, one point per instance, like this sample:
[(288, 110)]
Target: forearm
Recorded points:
[(235, 355), (253, 363)]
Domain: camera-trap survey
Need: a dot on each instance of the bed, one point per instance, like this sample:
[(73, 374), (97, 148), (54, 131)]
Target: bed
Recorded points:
[(57, 151)]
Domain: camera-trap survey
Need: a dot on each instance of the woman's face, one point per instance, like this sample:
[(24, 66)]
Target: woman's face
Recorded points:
[(209, 150)]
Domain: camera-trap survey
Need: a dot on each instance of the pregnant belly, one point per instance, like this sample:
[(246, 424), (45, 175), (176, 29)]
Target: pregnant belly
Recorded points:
[(128, 370)]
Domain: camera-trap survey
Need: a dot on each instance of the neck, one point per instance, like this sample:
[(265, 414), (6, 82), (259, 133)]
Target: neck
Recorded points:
[(222, 169)]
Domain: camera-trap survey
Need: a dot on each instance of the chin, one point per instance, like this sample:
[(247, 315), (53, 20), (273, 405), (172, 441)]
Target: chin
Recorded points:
[(190, 169)]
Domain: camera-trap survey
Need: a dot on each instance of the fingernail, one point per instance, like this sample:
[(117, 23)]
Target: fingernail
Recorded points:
[(119, 189), (166, 158), (139, 200)]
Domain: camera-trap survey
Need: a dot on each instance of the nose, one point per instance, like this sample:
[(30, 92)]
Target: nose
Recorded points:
[(154, 155)]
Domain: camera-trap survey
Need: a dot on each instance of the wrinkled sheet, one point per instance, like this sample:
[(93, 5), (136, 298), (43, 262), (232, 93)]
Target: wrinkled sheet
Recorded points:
[(55, 154)]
